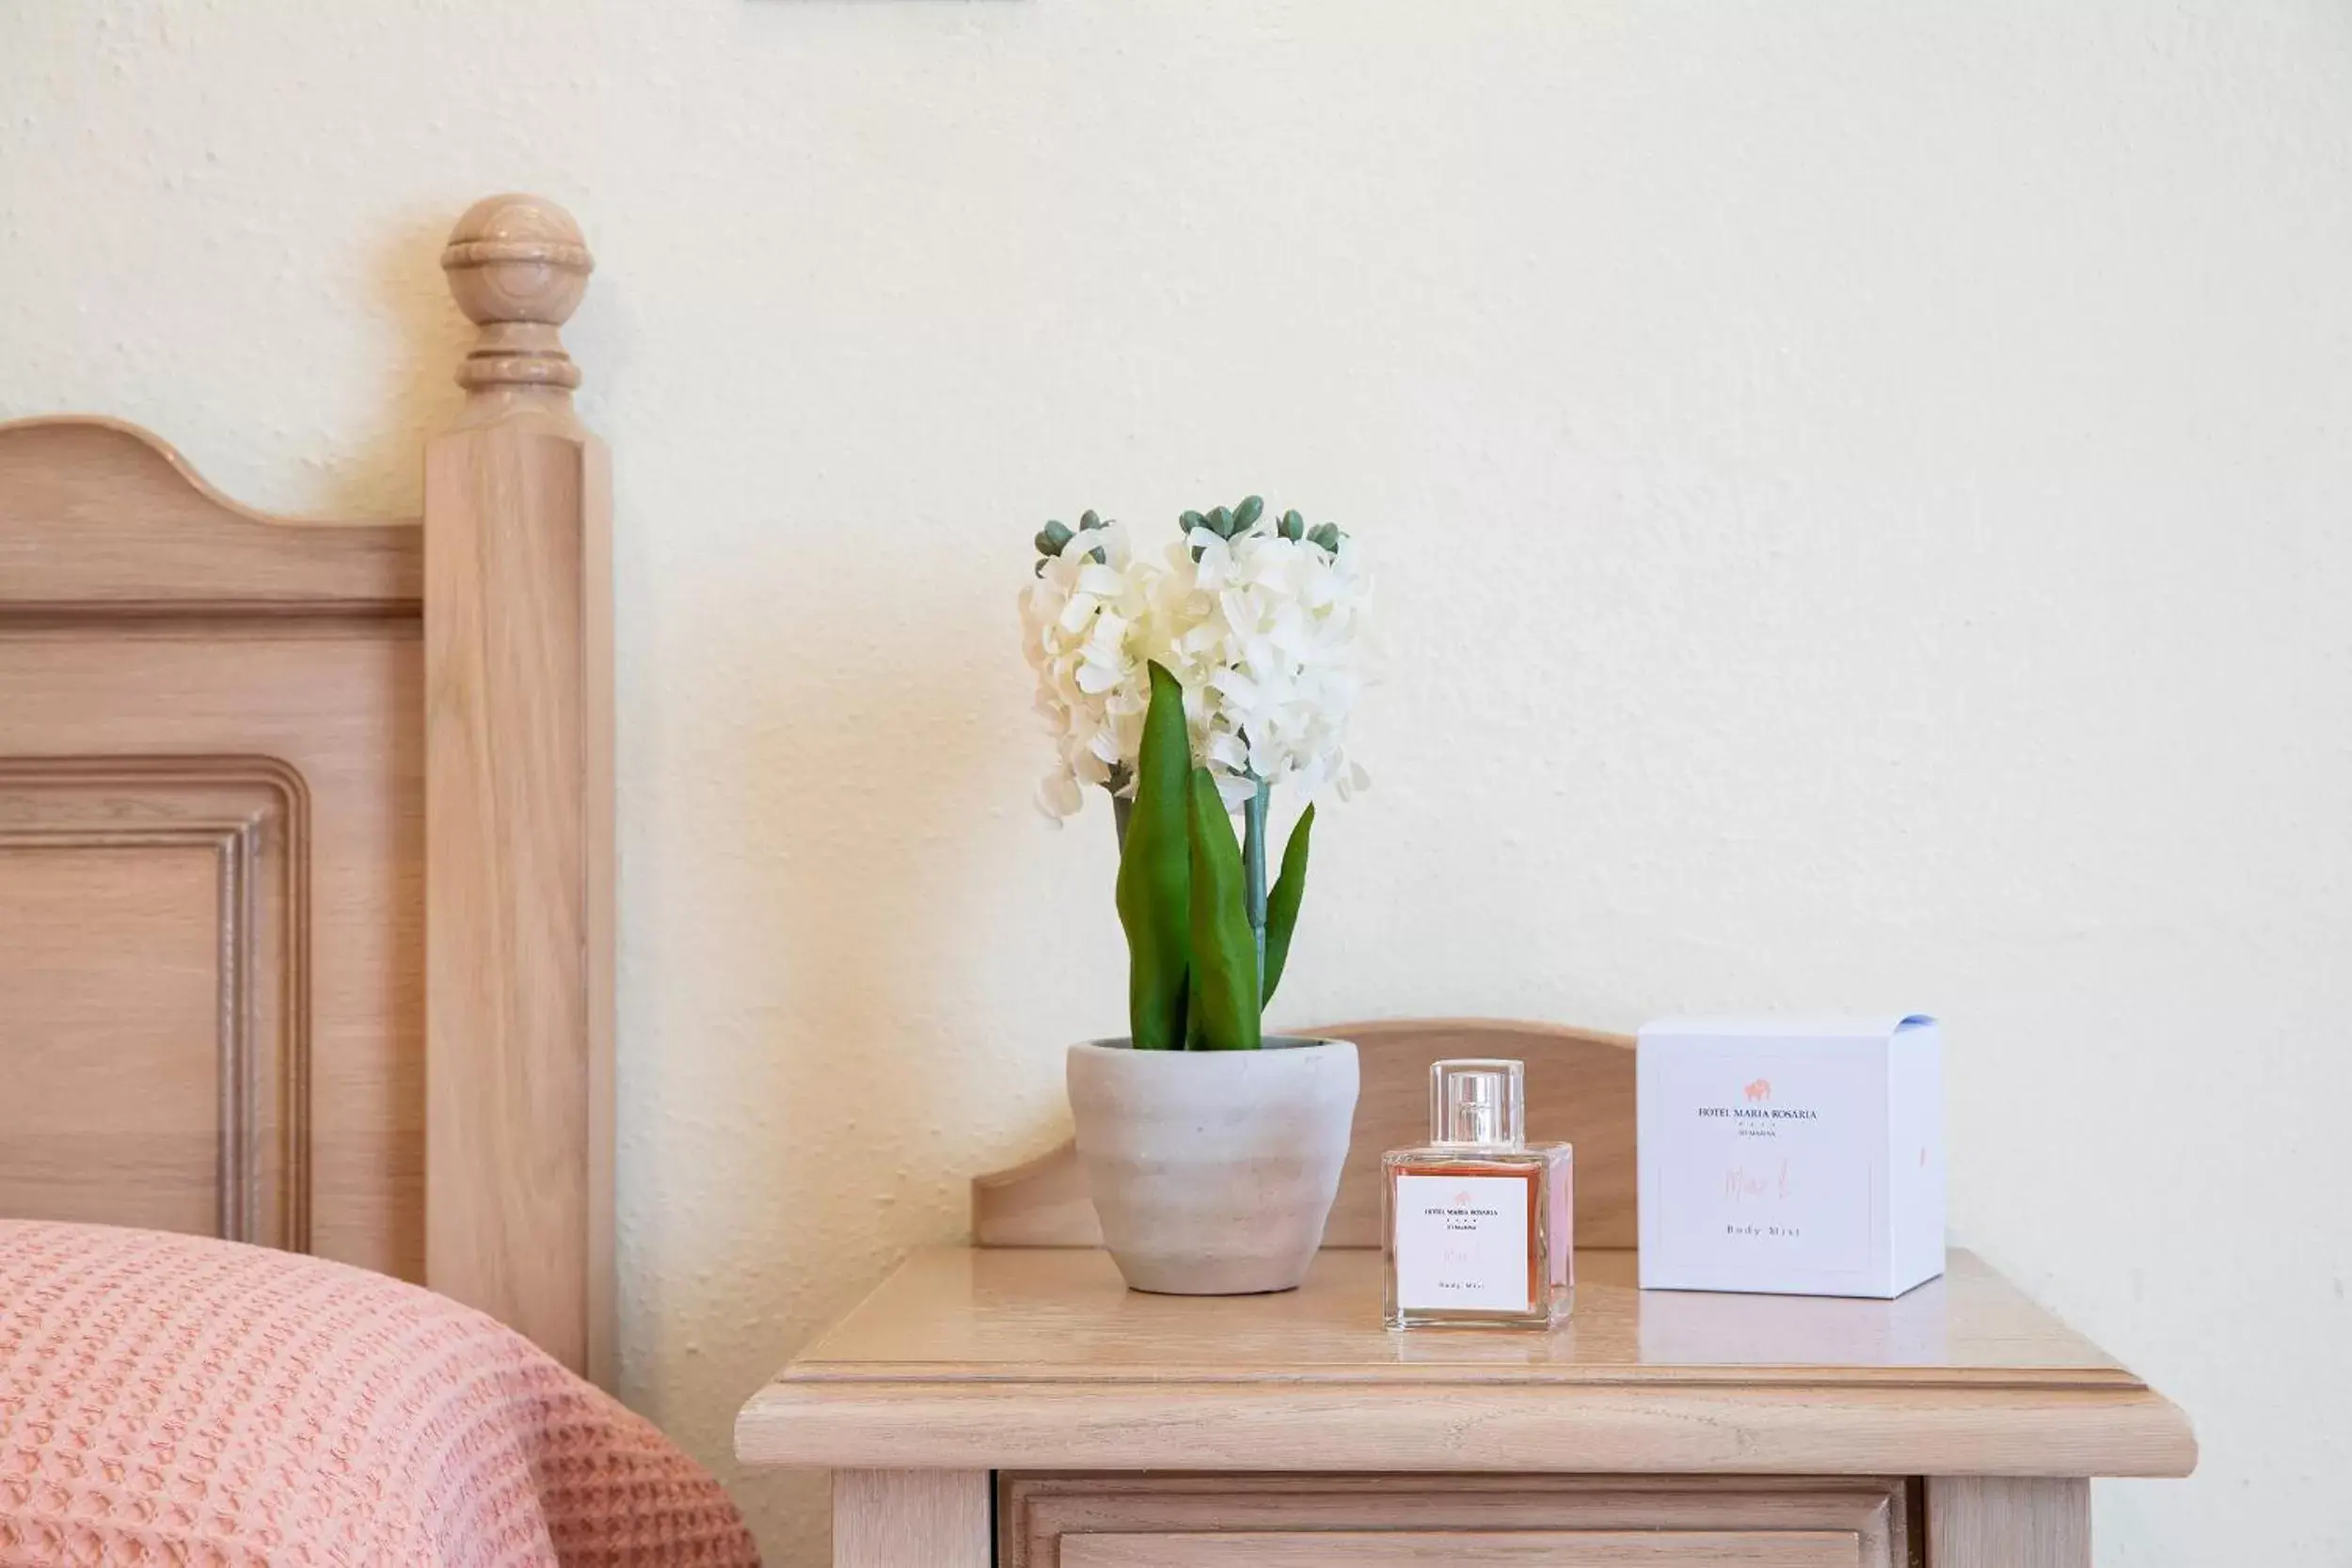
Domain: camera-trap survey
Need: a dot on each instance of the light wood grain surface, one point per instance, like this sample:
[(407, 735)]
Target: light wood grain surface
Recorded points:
[(518, 824), (1467, 1549), (1037, 1515), (152, 934), (994, 1315), (211, 850), (98, 515), (2017, 1522), (910, 1519), (1667, 1429), (1580, 1089), (1039, 1358)]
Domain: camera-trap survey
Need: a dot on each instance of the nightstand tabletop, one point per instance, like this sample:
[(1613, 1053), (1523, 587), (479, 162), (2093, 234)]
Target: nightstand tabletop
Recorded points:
[(1022, 1357)]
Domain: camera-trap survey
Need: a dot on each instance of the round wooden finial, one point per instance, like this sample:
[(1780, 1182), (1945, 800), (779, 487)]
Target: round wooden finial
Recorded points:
[(518, 266)]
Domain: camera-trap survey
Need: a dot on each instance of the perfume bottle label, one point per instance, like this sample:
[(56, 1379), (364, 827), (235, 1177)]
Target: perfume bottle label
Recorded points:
[(1461, 1241)]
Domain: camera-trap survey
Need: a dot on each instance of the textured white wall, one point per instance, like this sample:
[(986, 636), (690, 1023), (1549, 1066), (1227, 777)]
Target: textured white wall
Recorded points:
[(1862, 490)]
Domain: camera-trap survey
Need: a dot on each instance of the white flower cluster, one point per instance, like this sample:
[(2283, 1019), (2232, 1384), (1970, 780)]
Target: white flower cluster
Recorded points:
[(1267, 630), (1080, 622)]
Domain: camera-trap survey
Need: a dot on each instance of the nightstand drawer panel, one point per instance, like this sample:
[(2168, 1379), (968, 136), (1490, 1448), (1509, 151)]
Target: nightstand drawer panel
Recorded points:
[(1198, 1521), (1469, 1549)]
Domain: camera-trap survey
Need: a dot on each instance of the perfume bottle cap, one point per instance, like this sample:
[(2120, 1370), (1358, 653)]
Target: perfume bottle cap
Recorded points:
[(1478, 1103)]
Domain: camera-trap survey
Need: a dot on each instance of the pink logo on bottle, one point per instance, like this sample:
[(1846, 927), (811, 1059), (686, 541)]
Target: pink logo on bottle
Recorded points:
[(1759, 1091)]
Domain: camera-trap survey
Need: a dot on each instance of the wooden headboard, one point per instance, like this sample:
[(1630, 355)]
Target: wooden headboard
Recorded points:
[(306, 920), (1580, 1088)]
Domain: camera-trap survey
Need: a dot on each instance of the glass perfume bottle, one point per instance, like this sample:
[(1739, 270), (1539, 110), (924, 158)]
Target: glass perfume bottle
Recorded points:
[(1479, 1226)]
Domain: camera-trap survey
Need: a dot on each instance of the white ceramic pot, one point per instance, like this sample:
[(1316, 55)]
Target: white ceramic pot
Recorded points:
[(1213, 1171)]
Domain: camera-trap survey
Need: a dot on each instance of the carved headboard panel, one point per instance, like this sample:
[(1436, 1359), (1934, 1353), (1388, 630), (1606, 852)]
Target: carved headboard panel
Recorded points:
[(305, 837)]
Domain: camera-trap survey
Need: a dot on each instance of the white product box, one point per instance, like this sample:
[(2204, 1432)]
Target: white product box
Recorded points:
[(1793, 1156)]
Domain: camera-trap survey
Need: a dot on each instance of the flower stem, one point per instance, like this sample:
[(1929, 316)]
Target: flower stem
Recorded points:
[(1253, 868)]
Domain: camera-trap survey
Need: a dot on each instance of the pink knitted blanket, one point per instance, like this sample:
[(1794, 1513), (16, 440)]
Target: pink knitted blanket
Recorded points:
[(173, 1400)]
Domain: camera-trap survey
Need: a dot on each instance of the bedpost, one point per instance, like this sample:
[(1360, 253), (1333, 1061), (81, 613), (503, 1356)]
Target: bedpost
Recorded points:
[(519, 805)]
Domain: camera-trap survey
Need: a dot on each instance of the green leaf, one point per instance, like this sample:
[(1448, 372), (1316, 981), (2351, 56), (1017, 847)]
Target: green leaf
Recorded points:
[(1192, 520), (1156, 874), (1281, 905), (1293, 525), (1224, 949), (1247, 513)]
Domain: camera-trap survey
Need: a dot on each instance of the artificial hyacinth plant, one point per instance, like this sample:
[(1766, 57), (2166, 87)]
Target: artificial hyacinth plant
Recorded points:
[(1190, 687)]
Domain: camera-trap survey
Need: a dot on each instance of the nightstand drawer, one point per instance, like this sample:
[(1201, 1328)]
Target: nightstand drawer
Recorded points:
[(1475, 1521), (1469, 1550)]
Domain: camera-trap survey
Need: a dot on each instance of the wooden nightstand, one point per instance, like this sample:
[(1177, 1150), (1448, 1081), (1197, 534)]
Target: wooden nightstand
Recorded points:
[(1018, 1405)]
